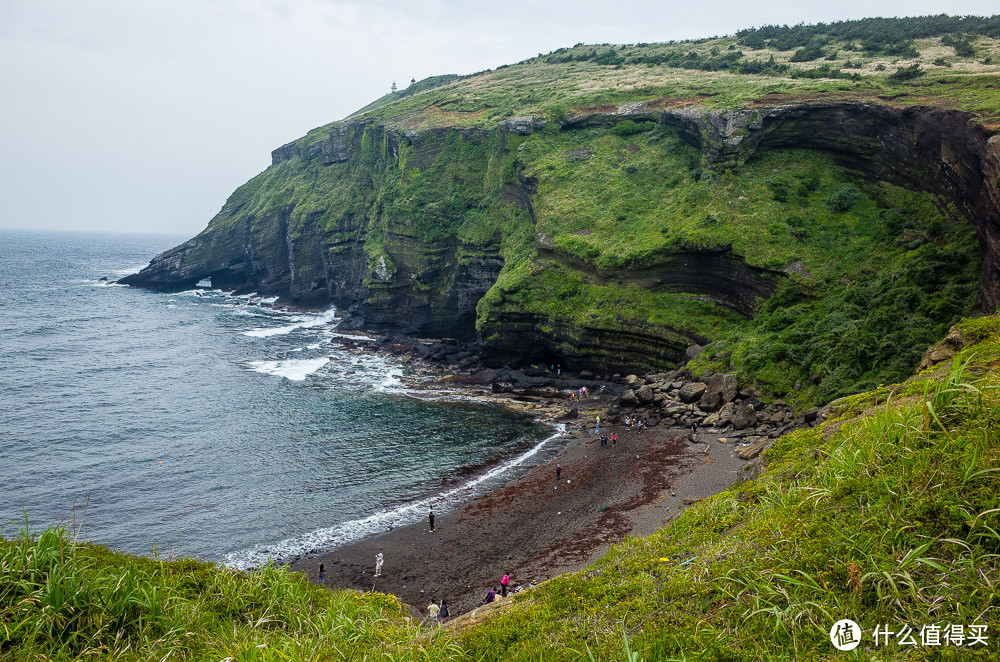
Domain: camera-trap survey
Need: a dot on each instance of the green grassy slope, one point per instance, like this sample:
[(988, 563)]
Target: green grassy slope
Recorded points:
[(65, 601), (957, 62), (874, 261)]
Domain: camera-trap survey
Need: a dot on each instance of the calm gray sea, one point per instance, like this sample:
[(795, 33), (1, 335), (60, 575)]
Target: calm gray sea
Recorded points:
[(210, 425)]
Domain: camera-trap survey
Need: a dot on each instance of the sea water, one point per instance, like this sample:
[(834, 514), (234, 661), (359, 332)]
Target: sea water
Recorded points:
[(210, 425)]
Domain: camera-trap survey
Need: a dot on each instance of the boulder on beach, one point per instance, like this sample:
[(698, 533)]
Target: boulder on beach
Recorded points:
[(720, 389), (726, 413), (671, 408), (745, 417), (692, 391), (629, 398)]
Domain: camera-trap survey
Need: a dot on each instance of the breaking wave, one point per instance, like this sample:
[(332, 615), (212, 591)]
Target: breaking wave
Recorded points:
[(295, 370), (352, 530)]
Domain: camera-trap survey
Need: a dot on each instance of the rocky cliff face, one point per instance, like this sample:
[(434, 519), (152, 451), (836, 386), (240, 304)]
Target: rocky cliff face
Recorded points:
[(354, 218), (946, 152)]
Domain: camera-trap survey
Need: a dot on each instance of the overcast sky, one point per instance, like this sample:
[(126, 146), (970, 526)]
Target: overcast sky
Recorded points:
[(144, 115)]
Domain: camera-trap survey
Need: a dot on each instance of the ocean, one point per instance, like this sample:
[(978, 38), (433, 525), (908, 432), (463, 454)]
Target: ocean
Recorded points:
[(215, 426)]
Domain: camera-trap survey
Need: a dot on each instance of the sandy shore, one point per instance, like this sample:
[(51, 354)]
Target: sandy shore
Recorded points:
[(534, 527)]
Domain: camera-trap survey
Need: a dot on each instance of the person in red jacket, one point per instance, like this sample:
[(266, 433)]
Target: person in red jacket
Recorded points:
[(504, 582)]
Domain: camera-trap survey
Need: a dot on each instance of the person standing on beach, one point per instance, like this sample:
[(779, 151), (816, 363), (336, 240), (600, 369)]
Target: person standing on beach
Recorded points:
[(504, 583), (378, 564), (444, 611), (322, 573), (558, 471), (614, 438), (432, 610), (430, 518)]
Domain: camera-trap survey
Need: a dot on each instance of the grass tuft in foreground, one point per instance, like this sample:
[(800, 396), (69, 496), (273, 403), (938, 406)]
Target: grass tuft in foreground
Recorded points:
[(60, 600)]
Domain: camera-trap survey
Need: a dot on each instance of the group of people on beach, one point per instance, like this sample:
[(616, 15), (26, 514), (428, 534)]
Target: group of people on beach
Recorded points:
[(491, 594), (640, 426), (640, 423)]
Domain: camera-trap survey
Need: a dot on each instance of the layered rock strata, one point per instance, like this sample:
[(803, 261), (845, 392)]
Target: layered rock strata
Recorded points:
[(361, 256)]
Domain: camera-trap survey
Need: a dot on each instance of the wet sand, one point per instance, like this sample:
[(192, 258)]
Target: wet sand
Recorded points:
[(535, 527)]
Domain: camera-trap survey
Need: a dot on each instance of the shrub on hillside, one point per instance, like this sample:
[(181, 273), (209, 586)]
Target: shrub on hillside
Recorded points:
[(906, 73), (630, 128), (844, 199), (962, 44), (807, 53), (781, 188)]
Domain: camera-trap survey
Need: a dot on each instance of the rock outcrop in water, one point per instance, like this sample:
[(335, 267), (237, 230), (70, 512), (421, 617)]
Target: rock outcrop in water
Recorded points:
[(353, 238)]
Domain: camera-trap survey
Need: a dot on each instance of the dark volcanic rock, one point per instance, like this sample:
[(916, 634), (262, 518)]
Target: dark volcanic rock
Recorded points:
[(319, 250), (744, 417), (692, 391), (630, 398), (720, 389)]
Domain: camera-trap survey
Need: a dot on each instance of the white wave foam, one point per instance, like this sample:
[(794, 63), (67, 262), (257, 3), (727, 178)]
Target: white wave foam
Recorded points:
[(200, 293), (107, 283), (293, 369), (298, 323), (380, 521), (128, 271), (351, 337), (267, 301), (391, 381)]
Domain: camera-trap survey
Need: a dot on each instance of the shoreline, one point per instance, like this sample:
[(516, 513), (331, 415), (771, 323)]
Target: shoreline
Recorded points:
[(606, 493), (534, 528), (531, 527), (455, 489), (518, 525)]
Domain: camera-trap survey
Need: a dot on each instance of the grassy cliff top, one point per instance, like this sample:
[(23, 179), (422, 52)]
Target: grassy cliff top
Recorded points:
[(940, 60)]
